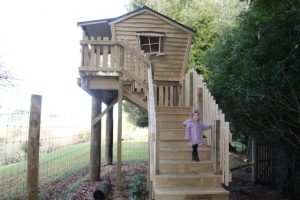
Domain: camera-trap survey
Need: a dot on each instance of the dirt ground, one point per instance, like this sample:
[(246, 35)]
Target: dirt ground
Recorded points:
[(77, 185)]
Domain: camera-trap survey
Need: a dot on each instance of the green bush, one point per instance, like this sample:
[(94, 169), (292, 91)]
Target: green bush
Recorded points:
[(137, 186)]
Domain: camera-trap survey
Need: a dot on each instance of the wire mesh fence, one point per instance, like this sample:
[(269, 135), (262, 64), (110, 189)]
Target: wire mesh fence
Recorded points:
[(64, 149)]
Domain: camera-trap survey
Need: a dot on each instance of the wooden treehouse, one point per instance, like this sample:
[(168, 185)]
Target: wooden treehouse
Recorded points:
[(142, 57)]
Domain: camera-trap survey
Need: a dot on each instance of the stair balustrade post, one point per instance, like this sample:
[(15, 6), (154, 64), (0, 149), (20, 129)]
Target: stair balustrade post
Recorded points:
[(218, 137), (119, 140)]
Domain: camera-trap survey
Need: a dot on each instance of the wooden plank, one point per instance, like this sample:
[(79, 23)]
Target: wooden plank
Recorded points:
[(161, 95), (105, 53), (171, 95), (112, 57), (98, 50), (179, 36), (33, 147), (166, 96), (147, 27)]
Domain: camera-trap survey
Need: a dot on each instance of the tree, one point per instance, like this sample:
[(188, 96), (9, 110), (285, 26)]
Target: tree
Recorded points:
[(135, 115), (6, 76), (255, 77)]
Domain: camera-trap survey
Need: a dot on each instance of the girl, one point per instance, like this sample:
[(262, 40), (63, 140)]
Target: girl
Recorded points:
[(193, 132)]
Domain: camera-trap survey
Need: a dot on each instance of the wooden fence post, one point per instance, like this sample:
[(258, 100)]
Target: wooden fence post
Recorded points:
[(33, 147)]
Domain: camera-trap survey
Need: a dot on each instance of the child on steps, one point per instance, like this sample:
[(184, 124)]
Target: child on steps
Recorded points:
[(193, 132)]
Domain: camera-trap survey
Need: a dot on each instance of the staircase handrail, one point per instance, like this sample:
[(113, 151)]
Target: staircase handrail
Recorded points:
[(153, 140), (196, 94)]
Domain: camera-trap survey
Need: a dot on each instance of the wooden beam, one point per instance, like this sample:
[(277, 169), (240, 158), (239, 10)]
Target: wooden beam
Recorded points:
[(98, 118)]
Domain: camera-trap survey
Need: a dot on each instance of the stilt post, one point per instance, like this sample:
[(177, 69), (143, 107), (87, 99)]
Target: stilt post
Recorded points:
[(95, 153), (120, 98)]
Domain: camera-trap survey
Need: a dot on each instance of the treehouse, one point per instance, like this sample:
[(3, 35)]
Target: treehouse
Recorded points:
[(142, 57)]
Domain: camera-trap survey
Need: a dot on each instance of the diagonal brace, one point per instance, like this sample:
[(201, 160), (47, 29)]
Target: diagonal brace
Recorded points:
[(98, 118)]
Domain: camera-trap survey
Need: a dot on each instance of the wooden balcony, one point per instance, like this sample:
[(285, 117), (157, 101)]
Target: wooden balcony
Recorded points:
[(103, 59)]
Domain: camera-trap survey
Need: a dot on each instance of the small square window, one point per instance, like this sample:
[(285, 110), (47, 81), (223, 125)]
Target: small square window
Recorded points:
[(151, 42)]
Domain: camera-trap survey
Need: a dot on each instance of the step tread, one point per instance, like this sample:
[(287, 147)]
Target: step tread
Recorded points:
[(190, 191), (173, 113), (172, 139), (188, 149), (188, 175), (172, 129), (185, 162)]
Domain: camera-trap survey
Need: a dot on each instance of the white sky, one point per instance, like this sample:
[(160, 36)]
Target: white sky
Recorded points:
[(39, 41)]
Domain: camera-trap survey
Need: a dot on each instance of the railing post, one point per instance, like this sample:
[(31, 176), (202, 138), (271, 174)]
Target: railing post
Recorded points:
[(157, 149), (33, 147), (216, 149)]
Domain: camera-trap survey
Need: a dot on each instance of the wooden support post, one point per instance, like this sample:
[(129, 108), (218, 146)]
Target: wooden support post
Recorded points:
[(109, 137), (119, 142), (95, 152), (33, 147)]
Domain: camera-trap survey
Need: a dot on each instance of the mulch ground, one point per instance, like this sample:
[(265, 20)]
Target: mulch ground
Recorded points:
[(77, 185)]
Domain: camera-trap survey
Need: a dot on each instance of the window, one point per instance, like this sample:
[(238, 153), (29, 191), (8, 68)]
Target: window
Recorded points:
[(151, 42)]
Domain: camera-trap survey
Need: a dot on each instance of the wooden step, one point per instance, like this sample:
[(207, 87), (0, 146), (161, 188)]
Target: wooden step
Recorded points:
[(183, 154), (191, 194), (174, 109), (201, 180), (177, 117), (167, 124), (184, 166), (172, 133), (174, 143)]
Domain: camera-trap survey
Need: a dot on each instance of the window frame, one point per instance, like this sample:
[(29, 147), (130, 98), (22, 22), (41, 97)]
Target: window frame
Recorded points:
[(148, 35)]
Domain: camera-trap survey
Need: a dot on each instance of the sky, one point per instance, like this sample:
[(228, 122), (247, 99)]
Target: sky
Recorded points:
[(39, 43)]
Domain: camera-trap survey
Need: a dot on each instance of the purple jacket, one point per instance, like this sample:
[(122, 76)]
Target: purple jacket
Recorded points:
[(193, 131)]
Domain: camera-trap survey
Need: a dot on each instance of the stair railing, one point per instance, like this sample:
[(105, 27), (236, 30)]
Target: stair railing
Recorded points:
[(153, 129), (196, 94)]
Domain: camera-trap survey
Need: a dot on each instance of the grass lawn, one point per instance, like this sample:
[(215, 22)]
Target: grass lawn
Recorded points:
[(63, 162)]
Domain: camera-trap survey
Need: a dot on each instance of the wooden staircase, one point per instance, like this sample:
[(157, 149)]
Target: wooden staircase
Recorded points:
[(110, 68), (180, 177)]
